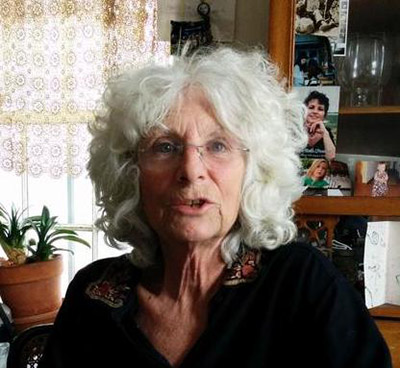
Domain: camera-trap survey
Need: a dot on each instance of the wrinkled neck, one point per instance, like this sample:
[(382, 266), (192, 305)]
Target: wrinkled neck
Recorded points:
[(188, 270)]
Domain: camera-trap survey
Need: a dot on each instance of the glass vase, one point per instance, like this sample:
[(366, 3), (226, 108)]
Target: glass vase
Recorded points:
[(365, 70)]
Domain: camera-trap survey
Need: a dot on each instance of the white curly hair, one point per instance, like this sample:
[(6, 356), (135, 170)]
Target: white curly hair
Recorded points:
[(249, 103)]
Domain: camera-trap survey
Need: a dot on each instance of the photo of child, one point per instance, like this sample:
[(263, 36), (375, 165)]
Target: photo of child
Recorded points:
[(316, 174), (377, 178), (325, 178)]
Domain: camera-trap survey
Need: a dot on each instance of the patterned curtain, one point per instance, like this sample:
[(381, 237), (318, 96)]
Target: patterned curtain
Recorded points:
[(55, 56)]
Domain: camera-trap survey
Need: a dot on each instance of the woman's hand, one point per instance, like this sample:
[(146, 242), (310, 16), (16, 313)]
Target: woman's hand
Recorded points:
[(316, 131)]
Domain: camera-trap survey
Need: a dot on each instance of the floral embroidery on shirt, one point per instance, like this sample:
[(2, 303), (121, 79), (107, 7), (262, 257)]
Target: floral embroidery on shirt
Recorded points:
[(244, 269), (111, 294), (112, 288)]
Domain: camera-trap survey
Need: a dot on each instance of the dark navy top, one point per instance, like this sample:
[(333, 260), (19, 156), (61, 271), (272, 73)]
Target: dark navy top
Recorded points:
[(287, 307)]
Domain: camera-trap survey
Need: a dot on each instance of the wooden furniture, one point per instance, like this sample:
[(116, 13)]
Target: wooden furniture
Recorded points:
[(371, 130), (387, 317), (27, 347)]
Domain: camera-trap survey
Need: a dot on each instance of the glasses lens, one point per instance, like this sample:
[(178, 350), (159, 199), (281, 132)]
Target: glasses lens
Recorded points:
[(165, 154)]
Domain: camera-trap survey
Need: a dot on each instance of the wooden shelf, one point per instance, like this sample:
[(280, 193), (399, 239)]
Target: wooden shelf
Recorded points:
[(386, 311), (361, 206), (395, 109)]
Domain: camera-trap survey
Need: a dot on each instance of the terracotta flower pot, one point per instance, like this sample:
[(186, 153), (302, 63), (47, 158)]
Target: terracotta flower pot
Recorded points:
[(32, 291)]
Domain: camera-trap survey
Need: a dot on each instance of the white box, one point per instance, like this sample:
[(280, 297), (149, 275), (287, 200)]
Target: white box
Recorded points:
[(382, 263)]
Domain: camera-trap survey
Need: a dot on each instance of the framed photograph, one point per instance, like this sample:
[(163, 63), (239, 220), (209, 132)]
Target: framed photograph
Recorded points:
[(320, 120), (326, 178), (319, 17), (377, 178), (313, 64), (326, 18)]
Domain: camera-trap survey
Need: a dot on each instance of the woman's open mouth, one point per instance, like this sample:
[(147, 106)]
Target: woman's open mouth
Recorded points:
[(191, 206), (197, 203)]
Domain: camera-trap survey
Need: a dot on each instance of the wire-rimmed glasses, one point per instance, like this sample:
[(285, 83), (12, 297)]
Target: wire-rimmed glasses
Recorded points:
[(167, 153)]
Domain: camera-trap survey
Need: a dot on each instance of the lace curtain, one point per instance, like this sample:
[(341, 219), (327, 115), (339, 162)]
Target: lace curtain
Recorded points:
[(55, 56)]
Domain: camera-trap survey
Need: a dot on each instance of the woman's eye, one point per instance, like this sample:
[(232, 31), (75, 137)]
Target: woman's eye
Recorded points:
[(164, 147), (217, 147)]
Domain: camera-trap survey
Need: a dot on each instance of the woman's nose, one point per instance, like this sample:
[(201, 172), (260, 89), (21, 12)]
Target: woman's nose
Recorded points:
[(192, 166)]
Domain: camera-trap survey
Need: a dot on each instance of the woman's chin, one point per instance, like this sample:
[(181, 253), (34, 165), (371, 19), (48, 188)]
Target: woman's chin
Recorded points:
[(196, 232)]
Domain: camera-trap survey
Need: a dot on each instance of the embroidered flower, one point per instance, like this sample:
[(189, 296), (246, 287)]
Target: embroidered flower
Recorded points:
[(248, 270), (245, 268), (112, 288), (109, 293)]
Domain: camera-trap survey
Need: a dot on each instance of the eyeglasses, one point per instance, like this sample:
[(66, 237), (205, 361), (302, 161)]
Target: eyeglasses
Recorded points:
[(165, 153)]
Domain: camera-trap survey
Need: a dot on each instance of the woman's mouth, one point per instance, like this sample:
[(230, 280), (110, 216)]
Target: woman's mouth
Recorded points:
[(197, 203), (191, 206)]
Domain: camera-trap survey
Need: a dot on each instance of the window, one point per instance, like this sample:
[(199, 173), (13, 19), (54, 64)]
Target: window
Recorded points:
[(72, 200), (54, 60)]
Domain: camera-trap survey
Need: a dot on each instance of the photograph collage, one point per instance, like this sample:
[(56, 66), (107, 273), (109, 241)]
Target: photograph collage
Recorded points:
[(320, 43)]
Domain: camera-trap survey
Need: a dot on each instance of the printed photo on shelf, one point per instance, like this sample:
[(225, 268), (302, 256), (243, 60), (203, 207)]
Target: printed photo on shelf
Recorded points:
[(320, 120), (325, 178), (377, 178), (326, 18), (313, 65), (339, 44), (318, 17)]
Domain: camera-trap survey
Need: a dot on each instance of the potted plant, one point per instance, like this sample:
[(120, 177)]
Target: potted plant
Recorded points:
[(30, 280), (12, 235)]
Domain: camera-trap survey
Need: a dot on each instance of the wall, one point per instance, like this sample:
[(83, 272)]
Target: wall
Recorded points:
[(251, 25)]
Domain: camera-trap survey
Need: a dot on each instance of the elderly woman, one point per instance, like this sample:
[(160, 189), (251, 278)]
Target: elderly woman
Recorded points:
[(195, 165)]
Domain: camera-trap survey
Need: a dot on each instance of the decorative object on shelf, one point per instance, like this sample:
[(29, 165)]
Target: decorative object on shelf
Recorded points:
[(382, 263), (30, 282), (192, 34), (365, 70)]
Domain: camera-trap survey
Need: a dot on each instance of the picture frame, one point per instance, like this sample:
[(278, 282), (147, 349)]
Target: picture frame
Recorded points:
[(320, 147), (379, 177), (334, 181)]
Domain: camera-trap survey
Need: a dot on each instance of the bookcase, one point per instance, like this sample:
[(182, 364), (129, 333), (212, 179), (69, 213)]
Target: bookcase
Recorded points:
[(372, 130)]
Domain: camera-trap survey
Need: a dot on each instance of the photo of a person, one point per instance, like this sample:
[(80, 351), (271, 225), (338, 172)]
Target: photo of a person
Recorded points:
[(339, 177), (314, 71), (320, 137), (314, 16), (316, 174), (380, 183), (300, 70), (313, 57), (377, 177)]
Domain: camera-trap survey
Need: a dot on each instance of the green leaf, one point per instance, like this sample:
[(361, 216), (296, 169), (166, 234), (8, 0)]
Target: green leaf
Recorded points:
[(56, 249), (70, 238)]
